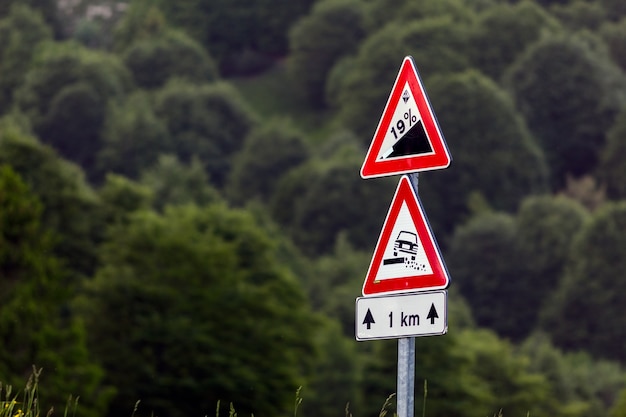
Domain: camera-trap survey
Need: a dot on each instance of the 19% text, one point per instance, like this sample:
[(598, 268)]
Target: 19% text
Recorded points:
[(400, 126)]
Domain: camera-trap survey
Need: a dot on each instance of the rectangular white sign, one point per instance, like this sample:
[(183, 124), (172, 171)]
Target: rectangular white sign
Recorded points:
[(402, 315)]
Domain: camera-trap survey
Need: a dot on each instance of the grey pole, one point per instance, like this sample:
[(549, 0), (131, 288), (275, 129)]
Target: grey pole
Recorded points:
[(405, 395)]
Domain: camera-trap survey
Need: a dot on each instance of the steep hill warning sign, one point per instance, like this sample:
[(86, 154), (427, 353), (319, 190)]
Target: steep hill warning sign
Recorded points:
[(406, 258), (408, 138)]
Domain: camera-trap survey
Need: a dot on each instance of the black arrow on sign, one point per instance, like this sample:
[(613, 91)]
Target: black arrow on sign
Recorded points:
[(432, 314), (369, 319)]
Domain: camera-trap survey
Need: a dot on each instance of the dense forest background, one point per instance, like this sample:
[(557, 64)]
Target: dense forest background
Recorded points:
[(182, 220)]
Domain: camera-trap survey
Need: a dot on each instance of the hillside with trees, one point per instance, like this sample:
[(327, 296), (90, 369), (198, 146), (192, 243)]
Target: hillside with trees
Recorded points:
[(182, 220)]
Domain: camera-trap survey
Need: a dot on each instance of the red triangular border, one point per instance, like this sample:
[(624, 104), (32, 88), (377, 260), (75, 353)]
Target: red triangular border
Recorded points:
[(440, 158), (439, 279)]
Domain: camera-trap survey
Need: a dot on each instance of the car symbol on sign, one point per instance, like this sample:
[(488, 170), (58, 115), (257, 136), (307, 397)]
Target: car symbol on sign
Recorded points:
[(406, 243)]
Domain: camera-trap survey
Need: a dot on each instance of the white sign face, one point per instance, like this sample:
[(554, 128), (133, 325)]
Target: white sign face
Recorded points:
[(405, 252), (402, 315), (406, 258)]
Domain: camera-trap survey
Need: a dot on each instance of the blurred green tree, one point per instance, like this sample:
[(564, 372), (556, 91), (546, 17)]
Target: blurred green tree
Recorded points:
[(143, 20), (71, 209), (580, 15), (243, 36), (612, 168), (580, 385), (508, 266), (65, 95), (208, 121), (333, 28), (343, 270), (35, 329), (173, 182), (172, 54), (379, 13), (121, 196), (47, 8), (590, 295), (270, 150), (334, 384), (515, 26), (20, 33), (614, 34), (569, 91), (486, 263), (615, 9), (546, 227), (133, 137), (198, 310)]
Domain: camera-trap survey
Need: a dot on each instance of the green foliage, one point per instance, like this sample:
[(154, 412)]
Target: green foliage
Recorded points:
[(47, 8), (89, 33), (486, 261), (615, 9), (172, 54), (121, 196), (334, 384), (619, 408), (31, 299), (342, 270), (133, 137), (20, 33), (269, 152), (243, 36), (492, 150), (612, 167), (209, 122), (507, 266), (578, 15), (589, 294), (515, 26), (333, 29), (197, 298), (569, 92), (176, 183), (379, 361), (70, 207), (142, 21), (379, 13), (65, 95), (614, 35), (579, 385), (20, 225), (546, 227), (518, 389)]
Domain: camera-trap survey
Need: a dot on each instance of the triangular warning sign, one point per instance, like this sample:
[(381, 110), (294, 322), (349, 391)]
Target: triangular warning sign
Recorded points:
[(408, 138), (406, 258)]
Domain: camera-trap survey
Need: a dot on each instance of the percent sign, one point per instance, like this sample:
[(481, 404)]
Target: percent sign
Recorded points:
[(400, 126)]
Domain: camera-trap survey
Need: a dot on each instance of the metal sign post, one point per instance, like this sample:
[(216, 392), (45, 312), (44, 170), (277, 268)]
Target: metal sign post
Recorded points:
[(405, 391)]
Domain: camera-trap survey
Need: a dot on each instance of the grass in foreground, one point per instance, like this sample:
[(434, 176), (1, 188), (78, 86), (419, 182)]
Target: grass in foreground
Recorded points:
[(27, 404)]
